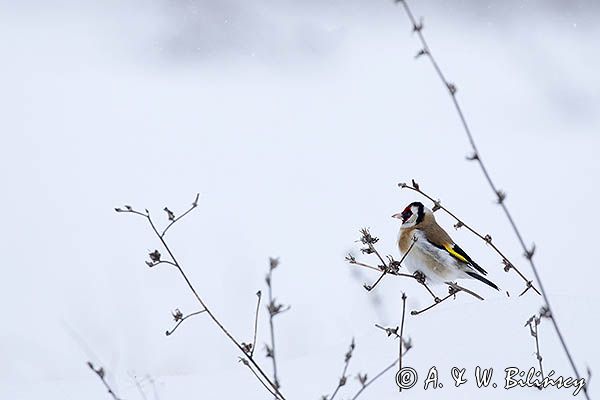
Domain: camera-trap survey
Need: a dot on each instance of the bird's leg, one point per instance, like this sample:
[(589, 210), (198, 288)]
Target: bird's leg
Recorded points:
[(420, 277)]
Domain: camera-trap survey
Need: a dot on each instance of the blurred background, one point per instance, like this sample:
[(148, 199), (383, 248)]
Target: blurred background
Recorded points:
[(294, 121)]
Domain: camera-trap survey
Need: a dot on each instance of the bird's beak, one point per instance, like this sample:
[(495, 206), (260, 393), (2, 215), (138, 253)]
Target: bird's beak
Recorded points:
[(397, 215)]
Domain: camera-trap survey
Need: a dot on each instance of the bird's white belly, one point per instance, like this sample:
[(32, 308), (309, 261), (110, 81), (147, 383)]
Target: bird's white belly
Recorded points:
[(436, 270)]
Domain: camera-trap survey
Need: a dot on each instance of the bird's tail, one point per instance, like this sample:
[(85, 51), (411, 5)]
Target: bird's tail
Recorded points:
[(482, 279)]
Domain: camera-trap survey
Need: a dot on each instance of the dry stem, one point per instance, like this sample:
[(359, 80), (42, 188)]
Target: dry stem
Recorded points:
[(344, 378), (156, 258), (102, 375), (274, 309), (500, 195)]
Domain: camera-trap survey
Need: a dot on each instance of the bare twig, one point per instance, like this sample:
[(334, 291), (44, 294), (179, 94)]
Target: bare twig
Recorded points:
[(534, 322), (258, 295), (452, 291), (268, 387), (274, 309), (366, 383), (344, 378), (156, 257), (150, 379), (401, 336), (179, 318), (500, 195), (139, 387), (172, 216), (398, 361), (102, 375), (387, 267)]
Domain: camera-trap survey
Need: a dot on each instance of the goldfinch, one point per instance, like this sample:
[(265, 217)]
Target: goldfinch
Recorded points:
[(434, 253)]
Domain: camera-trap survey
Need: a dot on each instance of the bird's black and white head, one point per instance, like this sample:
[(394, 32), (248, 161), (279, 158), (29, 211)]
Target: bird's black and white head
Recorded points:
[(413, 214)]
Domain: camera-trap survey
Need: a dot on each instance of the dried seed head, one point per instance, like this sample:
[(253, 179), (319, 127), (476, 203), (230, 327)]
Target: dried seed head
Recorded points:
[(421, 53), (170, 214), (366, 237), (269, 351), (247, 347), (473, 157), (501, 196), (545, 312), (529, 253), (244, 361), (155, 256), (362, 378), (177, 315), (418, 27)]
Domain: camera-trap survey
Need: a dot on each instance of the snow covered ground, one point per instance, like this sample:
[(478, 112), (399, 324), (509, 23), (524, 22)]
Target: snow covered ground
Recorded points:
[(295, 123)]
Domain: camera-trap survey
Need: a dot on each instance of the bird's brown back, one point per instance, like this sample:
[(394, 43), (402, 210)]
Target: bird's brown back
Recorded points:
[(435, 233)]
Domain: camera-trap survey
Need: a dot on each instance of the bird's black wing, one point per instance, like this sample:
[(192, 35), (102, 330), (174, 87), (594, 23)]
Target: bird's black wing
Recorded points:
[(464, 255)]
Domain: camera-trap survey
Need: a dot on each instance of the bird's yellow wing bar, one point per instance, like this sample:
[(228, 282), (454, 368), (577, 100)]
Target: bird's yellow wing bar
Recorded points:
[(450, 249)]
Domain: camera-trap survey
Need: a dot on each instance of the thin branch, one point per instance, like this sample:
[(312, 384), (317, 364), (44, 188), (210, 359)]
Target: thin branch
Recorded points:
[(452, 292), (153, 383), (179, 318), (398, 361), (401, 336), (344, 378), (476, 156), (392, 266), (102, 375), (458, 288), (534, 322), (156, 257), (379, 375), (173, 220), (139, 387), (268, 387), (274, 309), (151, 263), (258, 295)]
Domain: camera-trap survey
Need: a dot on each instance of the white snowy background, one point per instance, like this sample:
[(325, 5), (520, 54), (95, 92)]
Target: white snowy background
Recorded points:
[(294, 121)]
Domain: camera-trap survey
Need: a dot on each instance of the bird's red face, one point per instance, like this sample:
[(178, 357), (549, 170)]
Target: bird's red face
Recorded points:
[(412, 215), (404, 215)]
